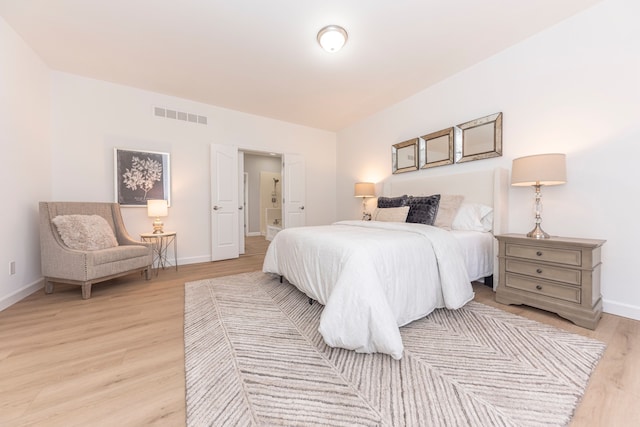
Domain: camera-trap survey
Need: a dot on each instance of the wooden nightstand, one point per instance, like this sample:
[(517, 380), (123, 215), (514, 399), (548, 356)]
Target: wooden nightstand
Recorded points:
[(559, 274)]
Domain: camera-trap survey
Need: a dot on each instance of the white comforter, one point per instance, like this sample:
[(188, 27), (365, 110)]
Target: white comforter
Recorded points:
[(372, 277)]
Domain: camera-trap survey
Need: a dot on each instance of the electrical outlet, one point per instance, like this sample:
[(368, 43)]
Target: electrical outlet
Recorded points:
[(12, 267)]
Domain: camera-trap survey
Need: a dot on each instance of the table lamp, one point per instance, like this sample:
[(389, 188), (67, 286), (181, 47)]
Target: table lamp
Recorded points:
[(536, 171), (365, 190), (157, 208)]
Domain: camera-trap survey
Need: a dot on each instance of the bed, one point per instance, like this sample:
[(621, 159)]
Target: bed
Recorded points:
[(373, 277)]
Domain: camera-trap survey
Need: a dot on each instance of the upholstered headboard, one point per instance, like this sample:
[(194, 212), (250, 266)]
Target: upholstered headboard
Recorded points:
[(489, 187)]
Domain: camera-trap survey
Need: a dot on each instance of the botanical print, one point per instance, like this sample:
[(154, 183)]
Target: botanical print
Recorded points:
[(141, 176)]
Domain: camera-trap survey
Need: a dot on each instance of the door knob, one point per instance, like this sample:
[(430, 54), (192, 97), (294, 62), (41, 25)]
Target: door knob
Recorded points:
[(240, 208), (215, 208), (301, 208)]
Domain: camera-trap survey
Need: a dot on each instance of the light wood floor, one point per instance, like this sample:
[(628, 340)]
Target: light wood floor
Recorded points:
[(118, 358)]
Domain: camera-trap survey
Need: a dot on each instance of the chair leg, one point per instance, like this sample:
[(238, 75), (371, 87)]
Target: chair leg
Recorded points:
[(86, 290), (48, 286), (147, 273)]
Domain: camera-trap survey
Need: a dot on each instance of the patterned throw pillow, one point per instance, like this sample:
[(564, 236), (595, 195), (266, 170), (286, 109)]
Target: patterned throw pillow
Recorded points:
[(392, 202), (423, 210)]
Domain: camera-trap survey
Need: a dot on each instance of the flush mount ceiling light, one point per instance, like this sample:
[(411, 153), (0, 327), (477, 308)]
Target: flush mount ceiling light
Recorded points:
[(332, 38)]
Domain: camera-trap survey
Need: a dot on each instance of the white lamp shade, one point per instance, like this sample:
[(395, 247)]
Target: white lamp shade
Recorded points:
[(364, 189), (332, 38), (540, 169), (157, 208)]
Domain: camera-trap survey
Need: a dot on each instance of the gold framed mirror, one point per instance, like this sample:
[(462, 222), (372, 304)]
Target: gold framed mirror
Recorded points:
[(404, 156), (436, 149), (481, 139)]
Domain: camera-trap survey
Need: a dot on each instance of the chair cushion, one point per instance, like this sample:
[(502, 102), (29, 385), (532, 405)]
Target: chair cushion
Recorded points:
[(120, 253), (85, 232)]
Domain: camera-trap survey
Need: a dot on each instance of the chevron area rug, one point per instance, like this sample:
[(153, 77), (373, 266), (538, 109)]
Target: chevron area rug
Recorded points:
[(254, 357)]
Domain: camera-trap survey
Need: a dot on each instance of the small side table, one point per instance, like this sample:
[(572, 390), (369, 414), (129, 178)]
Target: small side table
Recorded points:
[(161, 243)]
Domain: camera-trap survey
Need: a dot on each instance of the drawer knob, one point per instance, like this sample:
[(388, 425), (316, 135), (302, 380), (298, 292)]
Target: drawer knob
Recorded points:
[(539, 287), (539, 253), (539, 271)]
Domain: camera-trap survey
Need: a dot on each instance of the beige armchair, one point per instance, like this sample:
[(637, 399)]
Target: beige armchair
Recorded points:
[(85, 267)]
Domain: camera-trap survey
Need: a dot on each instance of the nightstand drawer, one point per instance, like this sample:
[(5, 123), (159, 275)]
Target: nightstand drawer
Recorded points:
[(559, 256), (566, 293), (559, 274)]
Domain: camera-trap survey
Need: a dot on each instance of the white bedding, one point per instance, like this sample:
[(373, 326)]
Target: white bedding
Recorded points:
[(372, 277), (477, 251)]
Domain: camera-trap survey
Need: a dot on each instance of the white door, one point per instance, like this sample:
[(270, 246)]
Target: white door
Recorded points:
[(224, 202), (241, 188), (245, 204), (293, 172)]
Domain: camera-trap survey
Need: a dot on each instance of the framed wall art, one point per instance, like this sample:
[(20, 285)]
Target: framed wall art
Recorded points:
[(436, 149), (404, 156), (141, 176), (481, 139)]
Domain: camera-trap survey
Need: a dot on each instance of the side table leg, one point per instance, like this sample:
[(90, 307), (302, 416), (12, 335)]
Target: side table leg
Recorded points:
[(175, 251)]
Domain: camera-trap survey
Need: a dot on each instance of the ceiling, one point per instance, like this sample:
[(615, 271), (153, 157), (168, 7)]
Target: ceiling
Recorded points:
[(261, 57)]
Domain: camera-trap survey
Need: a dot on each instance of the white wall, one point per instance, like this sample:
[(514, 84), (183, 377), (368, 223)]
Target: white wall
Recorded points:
[(574, 88), (25, 173), (92, 117)]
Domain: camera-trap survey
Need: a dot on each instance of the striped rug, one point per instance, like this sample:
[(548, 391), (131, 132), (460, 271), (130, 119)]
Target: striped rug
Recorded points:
[(254, 357)]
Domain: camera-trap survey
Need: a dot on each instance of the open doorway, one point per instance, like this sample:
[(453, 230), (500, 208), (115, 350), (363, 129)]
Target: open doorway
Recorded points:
[(263, 195), (228, 236)]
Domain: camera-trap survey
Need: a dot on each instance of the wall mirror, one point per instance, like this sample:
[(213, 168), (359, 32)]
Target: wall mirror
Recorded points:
[(481, 139), (436, 149), (404, 156)]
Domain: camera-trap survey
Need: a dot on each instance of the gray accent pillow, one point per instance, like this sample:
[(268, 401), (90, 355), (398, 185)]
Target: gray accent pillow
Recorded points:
[(423, 210), (392, 202), (85, 232)]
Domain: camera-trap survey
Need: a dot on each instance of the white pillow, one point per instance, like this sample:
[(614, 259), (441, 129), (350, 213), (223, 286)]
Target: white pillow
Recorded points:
[(85, 232), (473, 217), (390, 214)]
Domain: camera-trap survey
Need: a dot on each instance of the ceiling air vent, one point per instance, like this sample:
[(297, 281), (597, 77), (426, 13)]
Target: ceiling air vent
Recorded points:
[(179, 115)]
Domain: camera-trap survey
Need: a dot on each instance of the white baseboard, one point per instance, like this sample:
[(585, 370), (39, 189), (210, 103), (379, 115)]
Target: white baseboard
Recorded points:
[(21, 293), (254, 234), (194, 260), (621, 309)]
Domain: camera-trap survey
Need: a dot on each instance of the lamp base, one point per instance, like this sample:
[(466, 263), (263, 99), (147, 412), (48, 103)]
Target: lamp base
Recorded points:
[(366, 216), (157, 226), (538, 233)]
